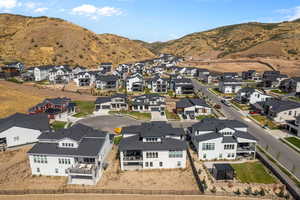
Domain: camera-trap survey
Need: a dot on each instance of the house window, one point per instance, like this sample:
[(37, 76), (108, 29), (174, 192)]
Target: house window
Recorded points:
[(228, 146), (208, 146), (179, 164), (56, 170), (146, 164), (220, 155), (152, 155), (16, 138), (204, 156), (151, 164), (160, 164), (175, 154), (38, 170)]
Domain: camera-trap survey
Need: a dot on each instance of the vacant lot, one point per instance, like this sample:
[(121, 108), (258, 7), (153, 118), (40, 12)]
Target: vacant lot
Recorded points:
[(253, 172), (114, 178), (15, 174), (20, 97)]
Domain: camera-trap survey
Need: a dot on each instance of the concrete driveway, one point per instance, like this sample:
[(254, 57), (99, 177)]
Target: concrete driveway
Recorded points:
[(156, 116), (109, 123)]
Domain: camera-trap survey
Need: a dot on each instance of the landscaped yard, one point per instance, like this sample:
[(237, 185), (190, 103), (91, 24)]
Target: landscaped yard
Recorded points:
[(293, 140), (278, 92), (134, 114), (295, 98), (263, 120), (253, 172), (217, 92), (204, 117), (56, 125), (240, 106), (84, 108), (172, 115)]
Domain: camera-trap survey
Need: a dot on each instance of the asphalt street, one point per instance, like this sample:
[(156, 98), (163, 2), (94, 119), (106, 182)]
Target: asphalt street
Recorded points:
[(283, 153)]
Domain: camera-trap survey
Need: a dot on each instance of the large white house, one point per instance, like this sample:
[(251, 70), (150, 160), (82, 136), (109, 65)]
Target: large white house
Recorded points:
[(20, 129), (135, 83), (155, 145), (78, 152), (251, 95), (148, 103), (228, 86), (216, 139), (42, 72), (192, 107)]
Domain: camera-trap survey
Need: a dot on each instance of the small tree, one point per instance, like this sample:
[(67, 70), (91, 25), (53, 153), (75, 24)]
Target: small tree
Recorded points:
[(214, 189), (248, 191), (238, 192), (204, 184), (262, 192)]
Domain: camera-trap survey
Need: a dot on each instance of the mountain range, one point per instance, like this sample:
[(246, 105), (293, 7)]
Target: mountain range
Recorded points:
[(44, 40)]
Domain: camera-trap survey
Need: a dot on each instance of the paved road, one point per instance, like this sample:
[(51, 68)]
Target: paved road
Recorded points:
[(285, 155)]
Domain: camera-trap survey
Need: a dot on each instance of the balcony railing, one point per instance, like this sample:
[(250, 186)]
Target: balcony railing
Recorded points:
[(245, 148), (132, 158), (87, 169)]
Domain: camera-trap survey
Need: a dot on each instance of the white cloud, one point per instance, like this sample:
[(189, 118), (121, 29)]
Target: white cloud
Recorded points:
[(290, 14), (93, 11), (8, 4), (30, 5), (40, 10)]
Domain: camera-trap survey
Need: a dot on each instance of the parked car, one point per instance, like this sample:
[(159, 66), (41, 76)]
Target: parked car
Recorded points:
[(184, 116), (226, 102), (217, 106), (162, 113), (253, 112), (192, 116)]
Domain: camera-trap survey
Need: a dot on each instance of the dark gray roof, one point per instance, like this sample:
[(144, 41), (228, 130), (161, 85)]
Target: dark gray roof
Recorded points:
[(188, 102), (207, 136), (135, 143), (229, 139), (245, 135), (36, 122), (212, 124), (107, 78), (87, 147), (101, 100), (247, 90), (76, 132), (153, 129), (277, 105)]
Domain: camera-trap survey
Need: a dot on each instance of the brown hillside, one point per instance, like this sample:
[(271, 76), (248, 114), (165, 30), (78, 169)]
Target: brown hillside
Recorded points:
[(43, 40)]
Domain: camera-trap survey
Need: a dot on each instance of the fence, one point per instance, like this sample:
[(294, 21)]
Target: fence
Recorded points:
[(195, 173)]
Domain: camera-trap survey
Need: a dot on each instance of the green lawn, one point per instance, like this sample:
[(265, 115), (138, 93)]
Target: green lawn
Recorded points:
[(135, 114), (216, 91), (253, 172), (84, 108), (204, 117), (295, 98), (295, 141), (172, 115), (118, 139), (263, 120), (240, 106), (278, 92), (56, 125)]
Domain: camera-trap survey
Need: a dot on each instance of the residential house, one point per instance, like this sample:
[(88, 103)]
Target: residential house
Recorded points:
[(278, 110), (20, 129), (228, 86), (251, 96), (183, 86), (293, 126), (86, 78), (115, 102), (229, 75), (155, 145), (190, 72), (107, 82), (272, 79), (159, 85), (216, 139), (105, 67), (79, 69), (192, 107), (55, 108), (135, 83), (148, 103), (291, 85), (13, 69), (78, 152), (42, 72), (60, 74), (251, 75)]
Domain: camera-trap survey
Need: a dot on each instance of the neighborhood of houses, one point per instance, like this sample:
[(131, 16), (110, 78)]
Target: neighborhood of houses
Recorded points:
[(160, 87)]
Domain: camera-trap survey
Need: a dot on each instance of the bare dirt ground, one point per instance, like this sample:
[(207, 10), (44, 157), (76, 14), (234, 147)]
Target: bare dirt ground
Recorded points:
[(20, 97), (114, 178), (118, 197), (15, 174)]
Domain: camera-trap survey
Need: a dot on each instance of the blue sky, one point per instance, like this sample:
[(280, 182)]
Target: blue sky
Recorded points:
[(156, 20)]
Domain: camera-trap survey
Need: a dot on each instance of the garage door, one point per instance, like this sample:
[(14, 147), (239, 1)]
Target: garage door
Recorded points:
[(105, 107)]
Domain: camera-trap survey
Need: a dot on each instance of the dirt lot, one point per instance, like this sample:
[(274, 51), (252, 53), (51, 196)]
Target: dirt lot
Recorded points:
[(118, 197), (15, 173), (20, 97), (114, 178)]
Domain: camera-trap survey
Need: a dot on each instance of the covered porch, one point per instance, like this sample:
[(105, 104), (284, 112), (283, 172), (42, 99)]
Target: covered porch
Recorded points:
[(246, 149), (132, 160)]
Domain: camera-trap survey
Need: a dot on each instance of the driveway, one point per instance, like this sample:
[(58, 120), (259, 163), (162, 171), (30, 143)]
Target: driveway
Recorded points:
[(109, 123), (156, 116)]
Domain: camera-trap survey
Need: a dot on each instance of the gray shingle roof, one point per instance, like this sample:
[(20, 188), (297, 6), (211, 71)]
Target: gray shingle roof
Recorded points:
[(36, 122), (212, 124), (135, 143)]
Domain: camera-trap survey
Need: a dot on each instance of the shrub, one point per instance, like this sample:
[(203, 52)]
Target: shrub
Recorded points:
[(237, 192), (213, 190)]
